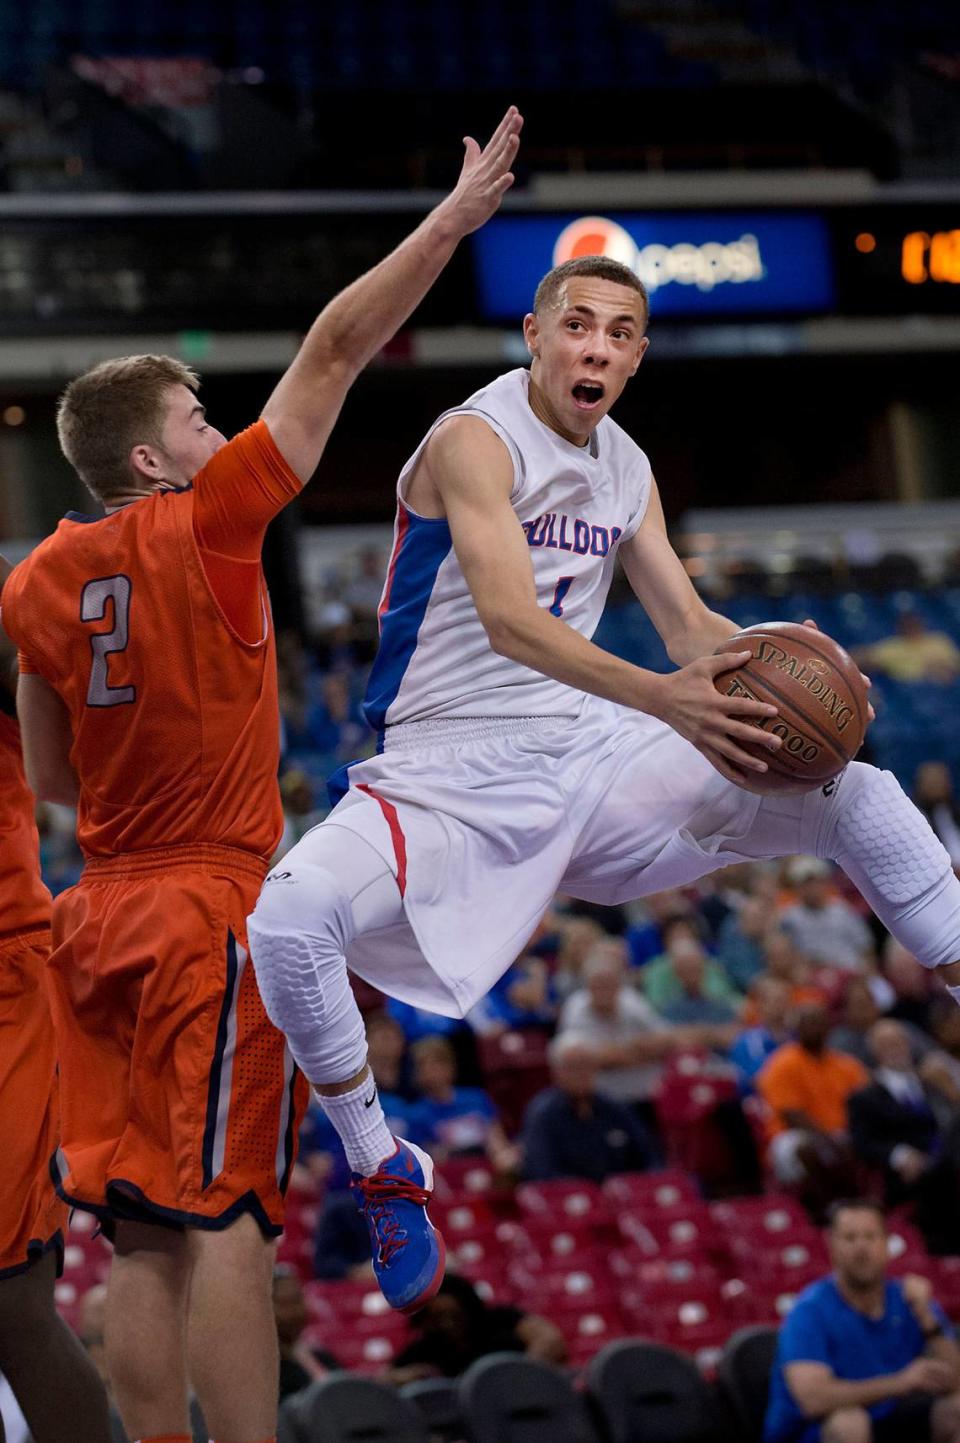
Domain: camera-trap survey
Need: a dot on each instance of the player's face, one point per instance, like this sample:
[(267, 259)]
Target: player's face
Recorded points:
[(858, 1247), (585, 349), (188, 441)]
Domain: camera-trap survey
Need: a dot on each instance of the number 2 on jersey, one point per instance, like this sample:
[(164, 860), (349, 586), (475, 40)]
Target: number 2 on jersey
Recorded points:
[(93, 607), (560, 595)]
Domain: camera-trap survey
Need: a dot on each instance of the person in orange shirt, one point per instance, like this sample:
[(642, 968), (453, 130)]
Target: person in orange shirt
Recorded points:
[(148, 695), (806, 1084), (49, 1372)]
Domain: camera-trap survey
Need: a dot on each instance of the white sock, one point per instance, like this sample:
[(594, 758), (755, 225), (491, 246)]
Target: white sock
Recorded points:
[(358, 1118), (954, 992)]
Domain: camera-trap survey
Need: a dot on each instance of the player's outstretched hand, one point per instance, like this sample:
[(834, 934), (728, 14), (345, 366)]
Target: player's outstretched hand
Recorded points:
[(486, 176), (717, 724)]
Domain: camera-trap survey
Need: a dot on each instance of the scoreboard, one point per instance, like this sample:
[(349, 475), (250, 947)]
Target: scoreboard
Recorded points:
[(740, 264)]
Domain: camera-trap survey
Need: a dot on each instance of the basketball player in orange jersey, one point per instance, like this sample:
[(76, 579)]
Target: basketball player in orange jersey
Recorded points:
[(49, 1372), (148, 695)]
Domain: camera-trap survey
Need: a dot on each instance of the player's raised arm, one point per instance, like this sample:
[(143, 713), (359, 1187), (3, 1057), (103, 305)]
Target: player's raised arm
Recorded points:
[(467, 467), (685, 624), (357, 324)]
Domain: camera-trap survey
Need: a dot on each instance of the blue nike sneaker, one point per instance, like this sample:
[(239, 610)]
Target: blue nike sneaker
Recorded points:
[(408, 1252)]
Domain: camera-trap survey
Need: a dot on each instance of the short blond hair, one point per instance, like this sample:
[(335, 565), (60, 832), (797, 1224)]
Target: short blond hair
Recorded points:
[(113, 407)]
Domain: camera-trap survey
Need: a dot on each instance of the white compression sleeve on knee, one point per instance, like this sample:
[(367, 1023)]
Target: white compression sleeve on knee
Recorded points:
[(299, 932), (888, 849)]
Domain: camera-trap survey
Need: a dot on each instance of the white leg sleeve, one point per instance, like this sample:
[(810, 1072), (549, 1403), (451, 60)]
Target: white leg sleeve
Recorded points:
[(887, 848), (331, 886)]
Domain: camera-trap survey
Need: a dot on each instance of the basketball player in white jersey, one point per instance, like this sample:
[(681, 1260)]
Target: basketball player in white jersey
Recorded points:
[(517, 759)]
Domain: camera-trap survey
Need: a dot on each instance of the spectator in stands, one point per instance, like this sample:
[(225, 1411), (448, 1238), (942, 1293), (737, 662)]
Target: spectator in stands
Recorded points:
[(453, 1121), (522, 997), (456, 1327), (824, 927), (911, 983), (363, 592), (894, 1127), (771, 998), (342, 1247), (933, 794), (417, 1022), (664, 984), (300, 812), (647, 939), (945, 1029), (913, 654), (863, 1358), (806, 1085), (571, 1130), (335, 723), (740, 949), (861, 1011), (692, 992), (299, 1365), (627, 1038), (578, 936)]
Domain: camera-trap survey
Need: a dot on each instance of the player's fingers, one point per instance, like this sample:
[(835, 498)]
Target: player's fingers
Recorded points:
[(866, 680), (720, 764), (739, 757), (492, 162), (505, 128), (471, 152), (743, 706), (504, 183), (871, 714), (744, 732), (811, 623)]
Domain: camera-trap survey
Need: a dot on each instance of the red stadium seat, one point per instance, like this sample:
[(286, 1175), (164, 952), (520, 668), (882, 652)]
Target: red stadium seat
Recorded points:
[(589, 1328), (347, 1301), (514, 1066), (689, 1236), (464, 1175), (461, 1214), (630, 1265), (570, 1199), (667, 1190)]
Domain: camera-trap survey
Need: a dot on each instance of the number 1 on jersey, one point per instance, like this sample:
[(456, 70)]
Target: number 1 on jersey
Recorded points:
[(93, 607), (560, 594)]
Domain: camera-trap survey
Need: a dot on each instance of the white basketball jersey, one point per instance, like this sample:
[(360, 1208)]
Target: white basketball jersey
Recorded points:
[(575, 504)]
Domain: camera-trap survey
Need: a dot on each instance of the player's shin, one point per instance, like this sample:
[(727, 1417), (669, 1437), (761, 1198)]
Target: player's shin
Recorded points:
[(887, 848)]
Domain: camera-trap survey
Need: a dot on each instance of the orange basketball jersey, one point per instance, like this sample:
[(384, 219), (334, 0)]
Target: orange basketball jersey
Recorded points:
[(24, 900), (174, 714)]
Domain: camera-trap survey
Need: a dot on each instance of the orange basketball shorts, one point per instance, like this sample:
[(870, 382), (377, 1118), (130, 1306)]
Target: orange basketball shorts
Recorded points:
[(32, 1217), (180, 1101)]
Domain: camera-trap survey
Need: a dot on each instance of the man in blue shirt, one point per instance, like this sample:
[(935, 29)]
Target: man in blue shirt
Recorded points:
[(863, 1358)]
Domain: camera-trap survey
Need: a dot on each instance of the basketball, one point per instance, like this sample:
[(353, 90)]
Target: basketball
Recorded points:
[(819, 694)]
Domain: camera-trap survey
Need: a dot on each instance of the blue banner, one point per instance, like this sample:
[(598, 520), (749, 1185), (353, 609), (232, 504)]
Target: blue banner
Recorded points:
[(693, 264)]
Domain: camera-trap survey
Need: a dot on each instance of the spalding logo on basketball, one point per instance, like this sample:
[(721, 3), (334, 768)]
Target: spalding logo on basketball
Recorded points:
[(818, 692), (595, 236)]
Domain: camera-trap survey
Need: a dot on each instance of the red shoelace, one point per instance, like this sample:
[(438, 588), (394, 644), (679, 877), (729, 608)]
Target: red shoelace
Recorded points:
[(378, 1195)]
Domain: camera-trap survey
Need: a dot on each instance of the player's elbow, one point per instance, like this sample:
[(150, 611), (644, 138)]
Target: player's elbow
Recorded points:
[(505, 633)]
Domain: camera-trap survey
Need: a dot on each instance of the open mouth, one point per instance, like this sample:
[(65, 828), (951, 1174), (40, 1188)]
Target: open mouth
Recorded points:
[(588, 394)]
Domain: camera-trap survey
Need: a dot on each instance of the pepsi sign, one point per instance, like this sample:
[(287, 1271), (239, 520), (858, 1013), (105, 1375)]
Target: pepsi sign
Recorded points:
[(692, 264)]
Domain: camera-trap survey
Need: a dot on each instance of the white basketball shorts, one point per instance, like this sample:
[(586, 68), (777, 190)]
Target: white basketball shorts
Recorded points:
[(482, 822)]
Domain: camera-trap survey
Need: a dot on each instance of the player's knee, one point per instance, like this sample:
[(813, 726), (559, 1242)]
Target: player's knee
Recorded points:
[(302, 901), (847, 1425), (879, 828)]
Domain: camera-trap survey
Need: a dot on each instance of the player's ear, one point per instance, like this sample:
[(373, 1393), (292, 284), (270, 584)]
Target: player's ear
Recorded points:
[(531, 333), (145, 463), (641, 351)]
